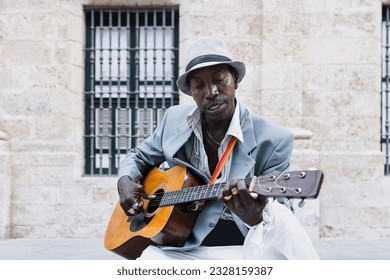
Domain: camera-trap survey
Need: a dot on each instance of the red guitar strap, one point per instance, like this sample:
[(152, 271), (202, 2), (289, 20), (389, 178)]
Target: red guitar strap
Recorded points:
[(223, 160), (221, 163), (226, 154)]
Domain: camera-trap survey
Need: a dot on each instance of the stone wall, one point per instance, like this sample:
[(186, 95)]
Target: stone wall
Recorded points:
[(5, 187), (341, 57), (313, 66), (42, 112)]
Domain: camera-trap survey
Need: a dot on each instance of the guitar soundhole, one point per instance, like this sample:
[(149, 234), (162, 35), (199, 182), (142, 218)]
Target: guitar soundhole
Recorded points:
[(154, 204), (142, 219)]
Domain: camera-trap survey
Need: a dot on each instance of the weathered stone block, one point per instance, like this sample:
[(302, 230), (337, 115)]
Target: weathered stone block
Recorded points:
[(337, 50), (26, 53), (281, 76), (28, 195), (281, 102), (282, 49)]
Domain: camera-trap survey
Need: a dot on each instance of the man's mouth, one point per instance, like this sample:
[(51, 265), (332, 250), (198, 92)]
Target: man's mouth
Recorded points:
[(214, 106)]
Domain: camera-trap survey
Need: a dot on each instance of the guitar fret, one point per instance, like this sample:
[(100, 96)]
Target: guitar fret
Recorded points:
[(190, 194), (205, 189)]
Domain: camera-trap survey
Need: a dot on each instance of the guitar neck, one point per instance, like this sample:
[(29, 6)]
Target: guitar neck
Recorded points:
[(211, 191), (294, 184), (203, 192)]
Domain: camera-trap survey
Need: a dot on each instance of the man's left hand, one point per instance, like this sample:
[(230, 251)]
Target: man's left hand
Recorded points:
[(238, 199)]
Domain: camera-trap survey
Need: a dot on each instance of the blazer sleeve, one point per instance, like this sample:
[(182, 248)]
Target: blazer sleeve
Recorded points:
[(279, 160), (274, 147)]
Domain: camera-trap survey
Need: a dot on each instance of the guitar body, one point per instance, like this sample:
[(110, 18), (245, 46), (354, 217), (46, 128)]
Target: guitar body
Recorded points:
[(129, 238)]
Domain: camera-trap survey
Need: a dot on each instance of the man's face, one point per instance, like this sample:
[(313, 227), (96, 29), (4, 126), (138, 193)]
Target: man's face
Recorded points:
[(213, 89)]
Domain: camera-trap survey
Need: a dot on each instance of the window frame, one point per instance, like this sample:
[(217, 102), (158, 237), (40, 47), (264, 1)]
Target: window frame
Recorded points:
[(113, 93)]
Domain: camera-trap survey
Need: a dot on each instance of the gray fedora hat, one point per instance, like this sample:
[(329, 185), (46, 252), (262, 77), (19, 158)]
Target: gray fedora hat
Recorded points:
[(204, 52)]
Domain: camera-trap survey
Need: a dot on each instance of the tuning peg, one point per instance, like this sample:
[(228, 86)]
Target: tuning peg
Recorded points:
[(301, 203)]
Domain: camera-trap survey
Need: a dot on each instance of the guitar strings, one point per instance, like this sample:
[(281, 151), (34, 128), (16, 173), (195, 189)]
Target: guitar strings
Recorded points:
[(295, 190), (188, 194)]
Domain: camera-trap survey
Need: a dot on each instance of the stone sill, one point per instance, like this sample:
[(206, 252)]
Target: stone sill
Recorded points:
[(3, 136), (301, 133)]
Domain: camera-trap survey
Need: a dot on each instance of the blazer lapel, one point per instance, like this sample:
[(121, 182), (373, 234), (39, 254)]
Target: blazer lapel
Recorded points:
[(242, 162), (178, 138)]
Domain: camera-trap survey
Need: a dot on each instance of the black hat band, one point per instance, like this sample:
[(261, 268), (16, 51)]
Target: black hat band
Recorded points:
[(206, 58)]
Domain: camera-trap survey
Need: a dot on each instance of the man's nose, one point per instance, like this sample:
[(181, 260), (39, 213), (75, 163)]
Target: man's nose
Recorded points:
[(212, 91)]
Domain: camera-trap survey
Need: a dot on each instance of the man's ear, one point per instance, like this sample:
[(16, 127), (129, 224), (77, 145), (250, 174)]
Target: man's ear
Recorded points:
[(235, 77)]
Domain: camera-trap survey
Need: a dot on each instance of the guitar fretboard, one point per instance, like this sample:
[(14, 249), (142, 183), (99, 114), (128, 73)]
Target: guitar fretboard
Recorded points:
[(191, 194), (293, 184)]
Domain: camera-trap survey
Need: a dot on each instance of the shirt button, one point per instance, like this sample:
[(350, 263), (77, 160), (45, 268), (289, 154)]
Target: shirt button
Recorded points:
[(212, 224)]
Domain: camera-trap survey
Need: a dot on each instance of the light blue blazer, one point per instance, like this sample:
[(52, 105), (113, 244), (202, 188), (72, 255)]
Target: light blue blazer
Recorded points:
[(267, 148)]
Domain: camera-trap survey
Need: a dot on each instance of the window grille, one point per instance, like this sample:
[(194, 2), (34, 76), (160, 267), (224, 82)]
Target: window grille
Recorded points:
[(131, 59), (385, 102)]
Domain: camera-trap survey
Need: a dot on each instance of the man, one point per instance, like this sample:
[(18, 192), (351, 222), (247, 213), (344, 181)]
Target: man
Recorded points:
[(239, 224)]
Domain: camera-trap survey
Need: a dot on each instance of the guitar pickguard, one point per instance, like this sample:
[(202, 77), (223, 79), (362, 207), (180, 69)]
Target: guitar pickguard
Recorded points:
[(139, 221)]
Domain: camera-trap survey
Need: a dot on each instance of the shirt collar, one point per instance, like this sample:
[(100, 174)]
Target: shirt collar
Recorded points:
[(194, 121)]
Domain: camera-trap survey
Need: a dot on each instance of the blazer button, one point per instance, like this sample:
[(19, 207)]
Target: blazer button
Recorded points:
[(212, 224)]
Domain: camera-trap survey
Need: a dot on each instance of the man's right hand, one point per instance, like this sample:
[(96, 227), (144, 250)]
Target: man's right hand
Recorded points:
[(130, 196)]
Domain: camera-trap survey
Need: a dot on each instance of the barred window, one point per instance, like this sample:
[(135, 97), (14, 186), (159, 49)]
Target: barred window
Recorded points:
[(131, 60), (385, 102)]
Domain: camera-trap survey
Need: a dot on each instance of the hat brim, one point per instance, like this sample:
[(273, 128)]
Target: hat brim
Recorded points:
[(182, 82)]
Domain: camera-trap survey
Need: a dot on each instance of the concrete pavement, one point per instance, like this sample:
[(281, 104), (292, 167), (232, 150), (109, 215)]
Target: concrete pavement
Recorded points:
[(93, 249)]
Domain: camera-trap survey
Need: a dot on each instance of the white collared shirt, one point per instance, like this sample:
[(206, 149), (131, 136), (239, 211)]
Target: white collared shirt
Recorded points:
[(197, 155)]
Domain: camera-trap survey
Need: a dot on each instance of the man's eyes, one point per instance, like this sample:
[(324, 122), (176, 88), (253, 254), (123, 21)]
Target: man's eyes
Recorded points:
[(197, 85), (200, 84)]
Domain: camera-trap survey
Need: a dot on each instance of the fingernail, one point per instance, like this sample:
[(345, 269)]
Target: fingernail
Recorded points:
[(254, 195)]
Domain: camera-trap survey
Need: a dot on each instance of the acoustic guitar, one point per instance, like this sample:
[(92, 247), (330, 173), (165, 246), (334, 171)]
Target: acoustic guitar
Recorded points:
[(168, 218)]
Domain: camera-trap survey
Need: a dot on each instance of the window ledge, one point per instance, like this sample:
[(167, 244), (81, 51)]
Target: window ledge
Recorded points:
[(301, 133)]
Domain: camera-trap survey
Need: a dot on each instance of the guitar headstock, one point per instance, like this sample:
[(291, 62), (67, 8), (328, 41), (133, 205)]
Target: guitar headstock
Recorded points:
[(291, 184)]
